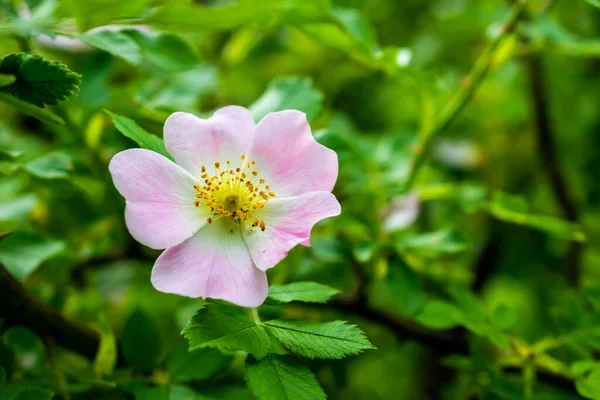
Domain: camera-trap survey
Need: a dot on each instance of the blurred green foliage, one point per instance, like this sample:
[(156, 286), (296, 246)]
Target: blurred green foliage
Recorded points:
[(487, 287)]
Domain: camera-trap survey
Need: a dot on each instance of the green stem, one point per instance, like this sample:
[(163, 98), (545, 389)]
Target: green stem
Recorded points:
[(463, 94), (255, 316)]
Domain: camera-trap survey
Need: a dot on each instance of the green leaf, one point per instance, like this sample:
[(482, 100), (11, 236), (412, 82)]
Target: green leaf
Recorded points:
[(309, 292), (358, 28), (166, 50), (436, 243), (133, 131), (24, 252), (33, 394), (29, 109), (332, 340), (184, 365), (38, 81), (439, 314), (514, 209), (503, 317), (54, 165), (106, 356), (2, 375), (141, 391), (226, 327), (141, 341), (282, 378), (589, 386), (406, 288), (114, 42), (7, 80), (595, 3), (289, 93)]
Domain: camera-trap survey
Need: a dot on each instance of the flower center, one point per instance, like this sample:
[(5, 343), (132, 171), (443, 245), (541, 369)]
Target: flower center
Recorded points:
[(233, 193)]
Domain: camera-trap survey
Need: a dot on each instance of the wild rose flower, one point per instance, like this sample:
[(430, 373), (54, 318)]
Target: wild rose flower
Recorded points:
[(239, 196)]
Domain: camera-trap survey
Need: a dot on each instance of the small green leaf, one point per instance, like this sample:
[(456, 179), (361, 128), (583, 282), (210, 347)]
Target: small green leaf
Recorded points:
[(331, 340), (106, 356), (24, 252), (309, 292), (7, 80), (141, 341), (589, 386), (226, 327), (184, 365), (54, 165), (114, 42), (33, 394), (503, 317), (29, 109), (289, 93), (439, 315), (282, 378), (38, 81), (133, 131), (436, 243), (166, 50)]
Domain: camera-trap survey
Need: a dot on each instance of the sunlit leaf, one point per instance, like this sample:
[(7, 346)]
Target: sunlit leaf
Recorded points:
[(133, 131)]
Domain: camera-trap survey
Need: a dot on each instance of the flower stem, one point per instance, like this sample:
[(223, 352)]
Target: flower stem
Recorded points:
[(255, 316), (463, 94)]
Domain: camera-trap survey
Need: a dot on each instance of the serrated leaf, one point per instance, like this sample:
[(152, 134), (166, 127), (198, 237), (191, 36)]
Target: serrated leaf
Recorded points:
[(309, 292), (289, 93), (226, 327), (282, 378), (184, 365), (114, 42), (133, 131), (331, 340), (141, 341), (33, 394), (31, 110), (54, 165), (24, 252), (38, 81)]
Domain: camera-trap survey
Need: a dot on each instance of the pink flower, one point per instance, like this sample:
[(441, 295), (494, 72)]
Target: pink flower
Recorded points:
[(238, 198)]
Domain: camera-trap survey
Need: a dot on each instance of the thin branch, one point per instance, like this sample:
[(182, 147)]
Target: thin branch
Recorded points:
[(18, 307), (464, 93)]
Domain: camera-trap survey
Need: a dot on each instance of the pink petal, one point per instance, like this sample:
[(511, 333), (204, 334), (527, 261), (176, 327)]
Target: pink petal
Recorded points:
[(160, 196), (289, 158), (289, 222), (194, 142), (213, 263)]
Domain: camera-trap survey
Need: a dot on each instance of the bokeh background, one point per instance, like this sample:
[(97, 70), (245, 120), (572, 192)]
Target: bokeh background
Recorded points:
[(479, 278)]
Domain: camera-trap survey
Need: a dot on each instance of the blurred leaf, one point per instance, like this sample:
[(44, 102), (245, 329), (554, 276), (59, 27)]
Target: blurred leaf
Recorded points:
[(115, 42), (184, 365), (358, 27), (289, 93), (31, 110), (503, 317), (310, 292), (595, 3), (106, 356), (436, 243), (2, 375), (133, 131), (141, 391), (226, 327), (331, 340), (406, 288), (54, 165), (141, 341), (7, 80), (38, 81), (589, 386), (282, 378), (24, 252), (439, 314), (168, 51), (511, 208), (33, 394)]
